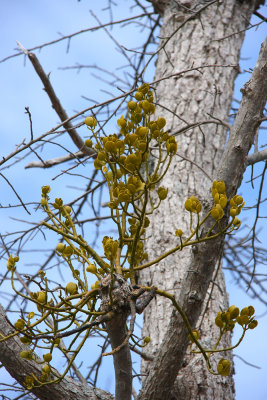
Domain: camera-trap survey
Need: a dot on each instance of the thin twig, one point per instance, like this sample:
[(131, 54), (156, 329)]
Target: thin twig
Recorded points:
[(56, 103), (12, 187), (67, 37)]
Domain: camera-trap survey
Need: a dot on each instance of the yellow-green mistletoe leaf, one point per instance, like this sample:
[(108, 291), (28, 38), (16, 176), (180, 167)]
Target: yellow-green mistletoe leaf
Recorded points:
[(71, 288), (162, 193), (224, 367), (47, 357), (90, 121)]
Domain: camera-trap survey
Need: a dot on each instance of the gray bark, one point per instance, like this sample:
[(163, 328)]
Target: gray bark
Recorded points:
[(117, 333), (121, 359), (195, 97)]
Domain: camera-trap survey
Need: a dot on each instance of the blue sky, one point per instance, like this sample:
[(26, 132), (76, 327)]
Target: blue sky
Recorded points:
[(34, 22)]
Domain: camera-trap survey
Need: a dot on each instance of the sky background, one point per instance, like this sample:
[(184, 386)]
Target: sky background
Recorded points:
[(34, 22)]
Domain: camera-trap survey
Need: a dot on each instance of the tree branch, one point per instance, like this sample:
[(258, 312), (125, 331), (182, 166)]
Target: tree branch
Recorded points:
[(55, 161), (116, 329), (248, 119), (71, 35), (77, 140), (117, 332), (257, 157)]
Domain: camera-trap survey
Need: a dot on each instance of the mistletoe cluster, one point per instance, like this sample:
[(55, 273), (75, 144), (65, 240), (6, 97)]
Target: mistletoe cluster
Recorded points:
[(135, 192)]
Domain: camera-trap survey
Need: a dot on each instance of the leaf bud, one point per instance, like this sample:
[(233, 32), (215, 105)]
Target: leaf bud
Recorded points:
[(88, 143), (161, 122), (141, 145), (224, 367), (68, 251), (137, 118), (220, 186), (47, 357), (234, 312), (223, 201), (122, 122), (109, 176), (217, 212), (172, 147), (251, 310), (142, 131), (45, 189), (46, 368), (25, 340), (132, 105), (102, 155), (243, 320), (146, 222), (60, 247), (113, 204), (138, 96), (67, 209), (230, 326), (11, 262), (97, 164), (147, 339), (236, 223), (218, 320), (195, 334), (162, 193), (179, 232), (41, 273), (27, 355), (71, 288), (146, 106), (90, 121), (29, 382), (144, 88), (58, 203), (188, 205), (30, 315), (44, 202), (253, 324), (244, 311), (91, 268), (238, 199), (95, 285), (225, 316), (41, 297), (233, 211), (19, 324)]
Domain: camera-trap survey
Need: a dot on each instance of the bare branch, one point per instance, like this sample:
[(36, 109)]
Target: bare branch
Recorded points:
[(257, 157), (55, 161), (12, 187), (68, 37), (56, 103)]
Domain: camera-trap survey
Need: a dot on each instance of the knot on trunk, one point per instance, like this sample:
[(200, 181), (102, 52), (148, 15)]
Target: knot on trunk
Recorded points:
[(115, 292)]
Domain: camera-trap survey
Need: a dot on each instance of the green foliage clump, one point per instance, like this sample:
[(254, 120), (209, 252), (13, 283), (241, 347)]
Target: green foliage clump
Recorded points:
[(135, 192)]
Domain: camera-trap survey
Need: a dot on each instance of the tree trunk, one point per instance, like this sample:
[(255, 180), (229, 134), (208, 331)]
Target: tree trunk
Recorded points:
[(200, 95)]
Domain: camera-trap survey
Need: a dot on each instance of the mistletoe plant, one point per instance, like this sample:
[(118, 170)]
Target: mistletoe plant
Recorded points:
[(77, 311)]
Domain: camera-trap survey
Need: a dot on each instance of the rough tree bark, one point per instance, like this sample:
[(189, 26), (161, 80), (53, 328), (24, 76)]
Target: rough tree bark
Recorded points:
[(208, 38)]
